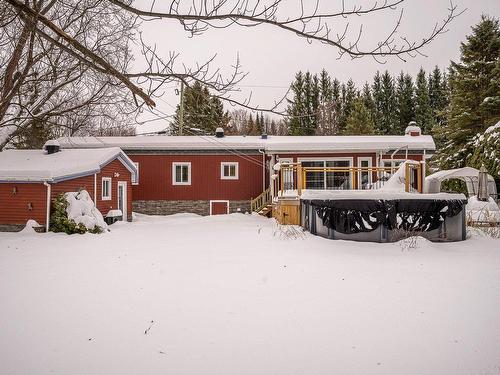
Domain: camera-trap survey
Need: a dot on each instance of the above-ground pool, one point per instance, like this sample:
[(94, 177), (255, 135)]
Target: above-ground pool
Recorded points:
[(382, 216)]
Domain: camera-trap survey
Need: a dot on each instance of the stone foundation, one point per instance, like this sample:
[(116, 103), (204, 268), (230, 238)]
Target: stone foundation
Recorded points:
[(200, 207), (239, 206), (18, 228)]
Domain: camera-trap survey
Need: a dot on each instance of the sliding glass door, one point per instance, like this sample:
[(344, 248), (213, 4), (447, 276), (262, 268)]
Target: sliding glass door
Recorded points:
[(332, 180)]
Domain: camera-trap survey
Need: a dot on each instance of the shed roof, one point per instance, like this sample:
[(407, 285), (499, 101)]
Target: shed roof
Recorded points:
[(38, 166), (271, 144)]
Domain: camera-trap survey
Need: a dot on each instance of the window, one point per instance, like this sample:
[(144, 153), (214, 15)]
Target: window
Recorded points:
[(181, 173), (229, 171), (365, 175), (135, 181), (332, 180), (394, 164), (106, 188)]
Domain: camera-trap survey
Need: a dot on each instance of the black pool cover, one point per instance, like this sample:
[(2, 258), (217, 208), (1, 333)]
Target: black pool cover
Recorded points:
[(354, 216)]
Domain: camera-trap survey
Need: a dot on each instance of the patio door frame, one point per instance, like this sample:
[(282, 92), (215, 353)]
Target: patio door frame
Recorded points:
[(122, 184), (349, 159)]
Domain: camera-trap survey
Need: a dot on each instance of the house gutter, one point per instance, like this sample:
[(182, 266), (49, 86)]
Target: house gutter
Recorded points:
[(47, 217)]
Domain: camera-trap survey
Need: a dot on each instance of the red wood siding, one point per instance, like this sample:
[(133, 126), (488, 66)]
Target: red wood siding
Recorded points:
[(76, 184), (354, 155), (124, 175), (399, 157), (14, 207), (155, 180)]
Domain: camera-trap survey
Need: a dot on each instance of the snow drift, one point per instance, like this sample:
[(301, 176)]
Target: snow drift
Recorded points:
[(81, 210)]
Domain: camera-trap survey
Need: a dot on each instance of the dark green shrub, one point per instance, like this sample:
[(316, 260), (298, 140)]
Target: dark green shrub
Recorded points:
[(59, 221)]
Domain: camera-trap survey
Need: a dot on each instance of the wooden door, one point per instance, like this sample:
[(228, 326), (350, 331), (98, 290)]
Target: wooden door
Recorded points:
[(219, 207)]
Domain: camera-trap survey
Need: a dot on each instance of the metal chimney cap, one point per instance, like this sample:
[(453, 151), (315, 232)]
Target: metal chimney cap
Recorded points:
[(219, 132), (51, 146)]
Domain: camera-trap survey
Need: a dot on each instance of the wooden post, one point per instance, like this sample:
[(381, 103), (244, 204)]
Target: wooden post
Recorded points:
[(299, 179), (419, 178), (407, 177), (281, 180)]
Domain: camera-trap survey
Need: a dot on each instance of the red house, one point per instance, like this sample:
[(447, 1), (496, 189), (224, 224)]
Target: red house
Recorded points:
[(222, 174), (30, 180)]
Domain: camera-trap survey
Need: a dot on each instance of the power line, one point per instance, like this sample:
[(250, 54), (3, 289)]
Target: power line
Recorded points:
[(233, 150)]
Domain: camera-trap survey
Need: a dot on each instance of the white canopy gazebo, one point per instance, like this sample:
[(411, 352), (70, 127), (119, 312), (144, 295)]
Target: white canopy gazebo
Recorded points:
[(467, 174)]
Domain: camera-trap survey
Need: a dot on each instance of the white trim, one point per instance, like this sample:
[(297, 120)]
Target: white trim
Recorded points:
[(136, 180), (401, 160), (95, 189), (181, 163), (370, 173), (334, 158), (229, 164), (47, 214), (124, 211), (219, 201), (109, 197)]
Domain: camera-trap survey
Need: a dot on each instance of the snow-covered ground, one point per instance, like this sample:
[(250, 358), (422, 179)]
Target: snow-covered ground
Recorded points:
[(230, 295)]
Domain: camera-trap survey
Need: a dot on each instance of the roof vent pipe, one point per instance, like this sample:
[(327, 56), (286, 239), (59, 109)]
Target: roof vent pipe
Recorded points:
[(219, 133), (51, 146), (263, 136)]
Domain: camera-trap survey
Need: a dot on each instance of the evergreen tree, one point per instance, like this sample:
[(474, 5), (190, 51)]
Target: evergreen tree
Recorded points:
[(378, 102), (326, 91), (327, 112), (315, 103), (368, 99), (349, 94), (201, 111), (251, 126), (437, 95), (423, 111), (34, 136), (475, 96), (405, 99), (308, 113), (486, 150), (388, 105), (360, 120), (296, 107), (336, 88)]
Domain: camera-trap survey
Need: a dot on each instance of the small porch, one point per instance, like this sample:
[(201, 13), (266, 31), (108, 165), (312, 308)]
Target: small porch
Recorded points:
[(290, 180)]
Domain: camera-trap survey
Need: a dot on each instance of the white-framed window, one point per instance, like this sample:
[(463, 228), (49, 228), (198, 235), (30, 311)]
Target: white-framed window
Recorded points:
[(365, 176), (229, 170), (394, 164), (181, 173), (135, 181), (106, 188)]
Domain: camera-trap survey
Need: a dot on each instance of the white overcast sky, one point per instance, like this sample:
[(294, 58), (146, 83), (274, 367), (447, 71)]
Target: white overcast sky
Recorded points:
[(271, 57)]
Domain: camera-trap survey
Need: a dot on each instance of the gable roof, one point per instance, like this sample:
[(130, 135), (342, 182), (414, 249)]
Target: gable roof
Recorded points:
[(38, 166), (271, 144)]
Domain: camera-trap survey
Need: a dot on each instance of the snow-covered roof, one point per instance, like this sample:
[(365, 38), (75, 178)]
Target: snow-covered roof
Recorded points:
[(271, 144), (38, 166)]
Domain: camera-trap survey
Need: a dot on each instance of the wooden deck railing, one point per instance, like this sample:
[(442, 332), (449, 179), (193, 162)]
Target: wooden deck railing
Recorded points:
[(261, 201), (293, 178)]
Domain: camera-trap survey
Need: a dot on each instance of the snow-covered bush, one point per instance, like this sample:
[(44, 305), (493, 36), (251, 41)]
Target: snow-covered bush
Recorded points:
[(74, 212)]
